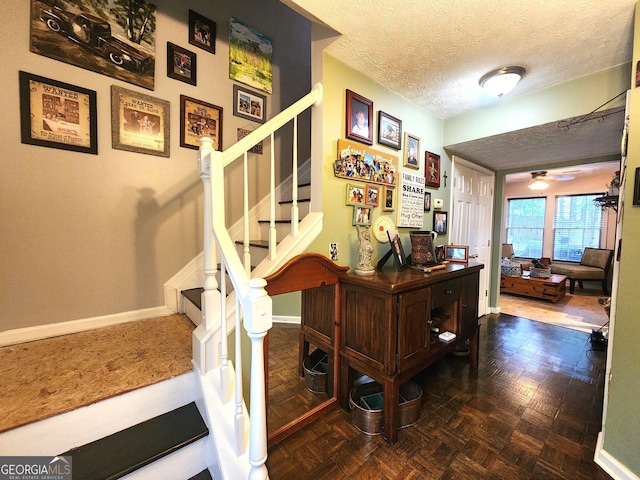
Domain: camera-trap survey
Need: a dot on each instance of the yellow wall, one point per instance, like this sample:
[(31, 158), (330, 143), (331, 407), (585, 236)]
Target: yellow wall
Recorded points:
[(337, 78)]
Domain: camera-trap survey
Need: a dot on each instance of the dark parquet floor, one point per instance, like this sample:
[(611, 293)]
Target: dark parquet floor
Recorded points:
[(532, 411), (289, 397)]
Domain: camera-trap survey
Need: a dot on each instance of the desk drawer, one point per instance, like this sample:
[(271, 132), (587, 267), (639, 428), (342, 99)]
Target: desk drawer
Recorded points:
[(445, 292)]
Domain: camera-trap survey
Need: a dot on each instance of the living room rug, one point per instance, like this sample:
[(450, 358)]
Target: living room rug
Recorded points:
[(579, 311)]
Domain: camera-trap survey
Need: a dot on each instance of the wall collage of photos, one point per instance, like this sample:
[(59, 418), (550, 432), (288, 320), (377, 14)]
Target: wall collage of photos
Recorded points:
[(104, 39), (374, 177)]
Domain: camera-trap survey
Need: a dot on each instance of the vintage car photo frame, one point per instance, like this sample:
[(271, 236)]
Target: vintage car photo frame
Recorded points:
[(57, 115), (79, 38)]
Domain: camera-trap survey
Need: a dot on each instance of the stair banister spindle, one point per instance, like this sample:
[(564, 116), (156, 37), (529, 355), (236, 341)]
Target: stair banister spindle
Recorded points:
[(239, 413), (294, 189), (245, 213), (224, 349), (272, 201), (257, 322)]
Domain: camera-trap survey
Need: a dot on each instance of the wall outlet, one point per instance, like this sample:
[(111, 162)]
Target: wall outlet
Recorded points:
[(333, 251)]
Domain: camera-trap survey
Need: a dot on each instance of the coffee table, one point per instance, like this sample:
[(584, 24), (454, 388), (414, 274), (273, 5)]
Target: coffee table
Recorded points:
[(552, 288)]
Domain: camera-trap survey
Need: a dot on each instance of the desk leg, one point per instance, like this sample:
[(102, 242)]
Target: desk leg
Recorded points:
[(346, 383), (391, 391), (303, 352), (474, 347)]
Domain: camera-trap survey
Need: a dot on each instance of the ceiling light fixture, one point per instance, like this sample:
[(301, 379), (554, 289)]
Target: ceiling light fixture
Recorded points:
[(538, 181), (500, 82)]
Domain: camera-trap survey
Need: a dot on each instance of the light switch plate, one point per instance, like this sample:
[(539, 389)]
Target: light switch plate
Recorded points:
[(437, 203)]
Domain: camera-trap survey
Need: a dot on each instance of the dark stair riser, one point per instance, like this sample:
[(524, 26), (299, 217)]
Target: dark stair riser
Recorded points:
[(123, 452)]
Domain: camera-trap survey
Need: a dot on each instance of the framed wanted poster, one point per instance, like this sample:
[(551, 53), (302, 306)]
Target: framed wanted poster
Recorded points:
[(139, 122), (57, 115)]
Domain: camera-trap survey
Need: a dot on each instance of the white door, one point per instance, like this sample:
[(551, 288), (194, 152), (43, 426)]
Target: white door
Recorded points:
[(472, 213)]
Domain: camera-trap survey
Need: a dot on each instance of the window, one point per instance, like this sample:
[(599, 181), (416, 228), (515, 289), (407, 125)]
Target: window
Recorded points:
[(576, 225), (525, 225)]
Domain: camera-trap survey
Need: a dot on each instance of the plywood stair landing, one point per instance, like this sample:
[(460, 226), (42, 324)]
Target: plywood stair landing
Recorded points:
[(72, 385)]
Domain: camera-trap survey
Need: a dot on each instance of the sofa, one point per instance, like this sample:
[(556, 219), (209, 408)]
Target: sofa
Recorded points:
[(594, 265)]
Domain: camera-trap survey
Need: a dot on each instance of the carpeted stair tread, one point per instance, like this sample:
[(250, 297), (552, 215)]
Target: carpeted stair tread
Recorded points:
[(123, 452)]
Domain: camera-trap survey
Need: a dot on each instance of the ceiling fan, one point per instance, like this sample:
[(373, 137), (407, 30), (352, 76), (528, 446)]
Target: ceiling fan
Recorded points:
[(540, 179)]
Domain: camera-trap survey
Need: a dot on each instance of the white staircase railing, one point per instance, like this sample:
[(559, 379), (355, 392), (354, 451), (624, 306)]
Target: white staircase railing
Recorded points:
[(248, 303)]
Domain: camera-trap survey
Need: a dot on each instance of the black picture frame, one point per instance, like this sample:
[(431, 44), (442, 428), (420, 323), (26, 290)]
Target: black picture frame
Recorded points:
[(397, 251), (57, 115), (440, 222), (359, 118), (389, 131), (249, 105), (202, 32), (427, 201), (636, 188), (181, 64)]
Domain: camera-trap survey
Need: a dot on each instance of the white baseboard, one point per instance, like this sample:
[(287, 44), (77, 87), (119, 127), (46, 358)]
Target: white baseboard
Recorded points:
[(286, 319), (39, 332), (609, 464)]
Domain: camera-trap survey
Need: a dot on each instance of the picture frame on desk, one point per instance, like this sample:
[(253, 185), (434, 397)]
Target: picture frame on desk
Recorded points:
[(397, 251), (456, 253)]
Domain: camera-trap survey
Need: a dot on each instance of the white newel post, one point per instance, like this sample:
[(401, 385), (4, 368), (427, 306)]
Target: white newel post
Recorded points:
[(203, 351), (257, 322)]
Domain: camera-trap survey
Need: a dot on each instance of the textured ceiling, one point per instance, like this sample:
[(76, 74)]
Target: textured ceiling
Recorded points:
[(433, 52)]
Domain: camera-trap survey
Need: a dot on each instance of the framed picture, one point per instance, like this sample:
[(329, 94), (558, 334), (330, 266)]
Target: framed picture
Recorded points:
[(389, 130), (636, 188), (181, 64), (199, 119), (432, 169), (388, 194), (362, 215), (257, 148), (249, 105), (456, 253), (411, 151), (427, 201), (71, 32), (440, 253), (440, 221), (202, 32), (396, 249), (359, 121), (361, 163), (139, 122), (372, 195), (57, 115), (250, 56), (355, 194)]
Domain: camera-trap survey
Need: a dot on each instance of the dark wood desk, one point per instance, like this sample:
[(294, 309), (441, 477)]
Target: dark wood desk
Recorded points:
[(386, 327)]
